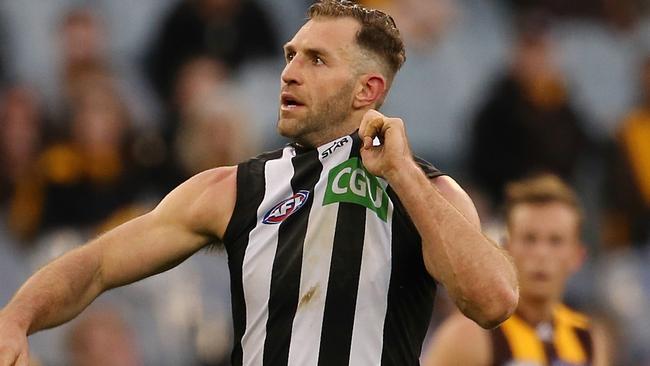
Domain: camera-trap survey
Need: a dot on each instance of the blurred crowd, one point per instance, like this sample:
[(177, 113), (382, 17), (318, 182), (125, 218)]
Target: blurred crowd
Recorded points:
[(106, 105)]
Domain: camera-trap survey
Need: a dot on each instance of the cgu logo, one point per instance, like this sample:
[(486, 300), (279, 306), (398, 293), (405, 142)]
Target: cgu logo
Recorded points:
[(286, 208), (351, 182)]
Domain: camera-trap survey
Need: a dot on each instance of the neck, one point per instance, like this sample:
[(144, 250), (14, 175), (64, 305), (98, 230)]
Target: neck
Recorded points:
[(332, 132), (536, 311)]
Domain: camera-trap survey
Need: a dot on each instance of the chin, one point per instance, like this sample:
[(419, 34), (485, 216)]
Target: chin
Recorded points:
[(287, 127), (539, 294)]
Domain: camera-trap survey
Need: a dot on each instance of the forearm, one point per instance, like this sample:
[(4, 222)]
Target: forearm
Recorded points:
[(479, 275), (58, 291)]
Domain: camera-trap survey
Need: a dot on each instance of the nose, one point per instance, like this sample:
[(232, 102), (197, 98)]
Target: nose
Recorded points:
[(542, 251), (292, 73)]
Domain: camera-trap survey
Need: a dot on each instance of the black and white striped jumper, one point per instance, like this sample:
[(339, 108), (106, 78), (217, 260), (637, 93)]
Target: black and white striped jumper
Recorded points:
[(326, 266)]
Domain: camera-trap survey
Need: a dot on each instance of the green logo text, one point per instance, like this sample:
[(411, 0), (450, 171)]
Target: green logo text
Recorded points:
[(351, 182)]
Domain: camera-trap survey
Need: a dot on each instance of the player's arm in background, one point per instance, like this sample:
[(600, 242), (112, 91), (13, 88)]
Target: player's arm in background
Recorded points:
[(603, 344), (459, 341), (193, 215)]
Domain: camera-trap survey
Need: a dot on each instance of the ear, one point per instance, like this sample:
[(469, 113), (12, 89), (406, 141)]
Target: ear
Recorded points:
[(371, 91)]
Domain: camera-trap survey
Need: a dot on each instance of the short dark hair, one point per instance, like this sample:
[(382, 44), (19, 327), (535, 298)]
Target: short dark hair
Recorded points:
[(378, 33), (541, 189)]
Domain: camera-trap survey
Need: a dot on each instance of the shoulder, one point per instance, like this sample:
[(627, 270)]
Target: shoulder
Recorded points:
[(204, 202), (572, 317), (600, 339), (459, 341)]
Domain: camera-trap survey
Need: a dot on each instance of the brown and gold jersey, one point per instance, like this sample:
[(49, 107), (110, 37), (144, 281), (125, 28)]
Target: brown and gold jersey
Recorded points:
[(566, 341)]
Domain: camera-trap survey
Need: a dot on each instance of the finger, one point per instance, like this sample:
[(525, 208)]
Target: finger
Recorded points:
[(367, 117), (373, 129), (7, 359), (23, 359)]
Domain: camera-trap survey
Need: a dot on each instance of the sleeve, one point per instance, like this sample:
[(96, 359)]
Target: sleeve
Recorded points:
[(429, 170)]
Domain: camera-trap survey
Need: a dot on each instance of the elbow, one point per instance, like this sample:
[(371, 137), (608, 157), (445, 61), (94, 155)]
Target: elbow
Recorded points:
[(499, 310), (490, 311)]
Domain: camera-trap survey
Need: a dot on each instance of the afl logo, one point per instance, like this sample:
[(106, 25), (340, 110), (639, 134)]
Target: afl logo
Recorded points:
[(284, 209)]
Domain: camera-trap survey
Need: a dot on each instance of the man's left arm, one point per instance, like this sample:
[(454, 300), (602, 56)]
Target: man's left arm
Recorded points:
[(478, 275)]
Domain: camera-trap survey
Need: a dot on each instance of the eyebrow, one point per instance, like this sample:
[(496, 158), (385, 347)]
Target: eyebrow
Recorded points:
[(312, 51)]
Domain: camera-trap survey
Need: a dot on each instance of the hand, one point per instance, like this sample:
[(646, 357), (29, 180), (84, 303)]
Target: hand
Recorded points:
[(393, 153), (14, 349)]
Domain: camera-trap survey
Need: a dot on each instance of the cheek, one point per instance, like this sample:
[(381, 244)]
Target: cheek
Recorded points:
[(563, 264), (521, 260)]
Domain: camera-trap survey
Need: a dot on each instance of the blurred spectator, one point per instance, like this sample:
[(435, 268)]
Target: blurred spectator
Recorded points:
[(421, 22), (89, 175), (206, 126), (622, 14), (527, 125), (84, 44), (214, 132), (21, 123), (444, 78), (628, 189), (37, 31), (198, 79), (83, 38), (230, 31), (101, 337)]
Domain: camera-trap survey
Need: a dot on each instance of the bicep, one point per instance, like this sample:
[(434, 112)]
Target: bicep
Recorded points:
[(189, 218), (142, 247)]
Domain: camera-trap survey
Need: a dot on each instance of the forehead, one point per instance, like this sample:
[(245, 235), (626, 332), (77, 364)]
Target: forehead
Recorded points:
[(326, 33), (544, 216)]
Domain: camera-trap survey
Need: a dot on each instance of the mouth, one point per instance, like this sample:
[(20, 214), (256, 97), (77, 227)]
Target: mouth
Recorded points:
[(290, 102)]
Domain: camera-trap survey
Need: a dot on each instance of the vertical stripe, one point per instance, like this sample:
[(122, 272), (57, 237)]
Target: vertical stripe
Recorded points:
[(550, 352), (585, 340), (341, 299), (317, 255), (250, 193), (285, 274), (372, 300), (501, 352), (410, 294), (258, 260), (524, 342), (567, 344)]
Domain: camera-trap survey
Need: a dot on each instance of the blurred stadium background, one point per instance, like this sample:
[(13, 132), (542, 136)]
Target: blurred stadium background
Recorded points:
[(105, 105)]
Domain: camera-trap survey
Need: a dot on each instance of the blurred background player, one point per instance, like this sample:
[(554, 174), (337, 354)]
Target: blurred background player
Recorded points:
[(543, 220)]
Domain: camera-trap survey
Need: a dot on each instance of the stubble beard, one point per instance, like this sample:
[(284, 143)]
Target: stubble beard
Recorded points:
[(323, 120)]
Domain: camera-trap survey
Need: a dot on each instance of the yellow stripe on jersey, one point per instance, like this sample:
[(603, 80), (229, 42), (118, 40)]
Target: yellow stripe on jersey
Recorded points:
[(524, 343), (566, 341), (526, 346)]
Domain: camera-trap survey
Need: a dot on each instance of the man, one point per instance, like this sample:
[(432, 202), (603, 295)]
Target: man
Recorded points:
[(333, 242), (543, 225)]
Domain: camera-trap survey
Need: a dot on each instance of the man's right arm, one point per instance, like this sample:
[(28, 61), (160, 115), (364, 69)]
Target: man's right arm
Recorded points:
[(190, 217)]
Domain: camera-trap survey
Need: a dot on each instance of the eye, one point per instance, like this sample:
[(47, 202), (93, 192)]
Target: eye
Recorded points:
[(529, 238), (289, 56), (556, 240), (317, 60)]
